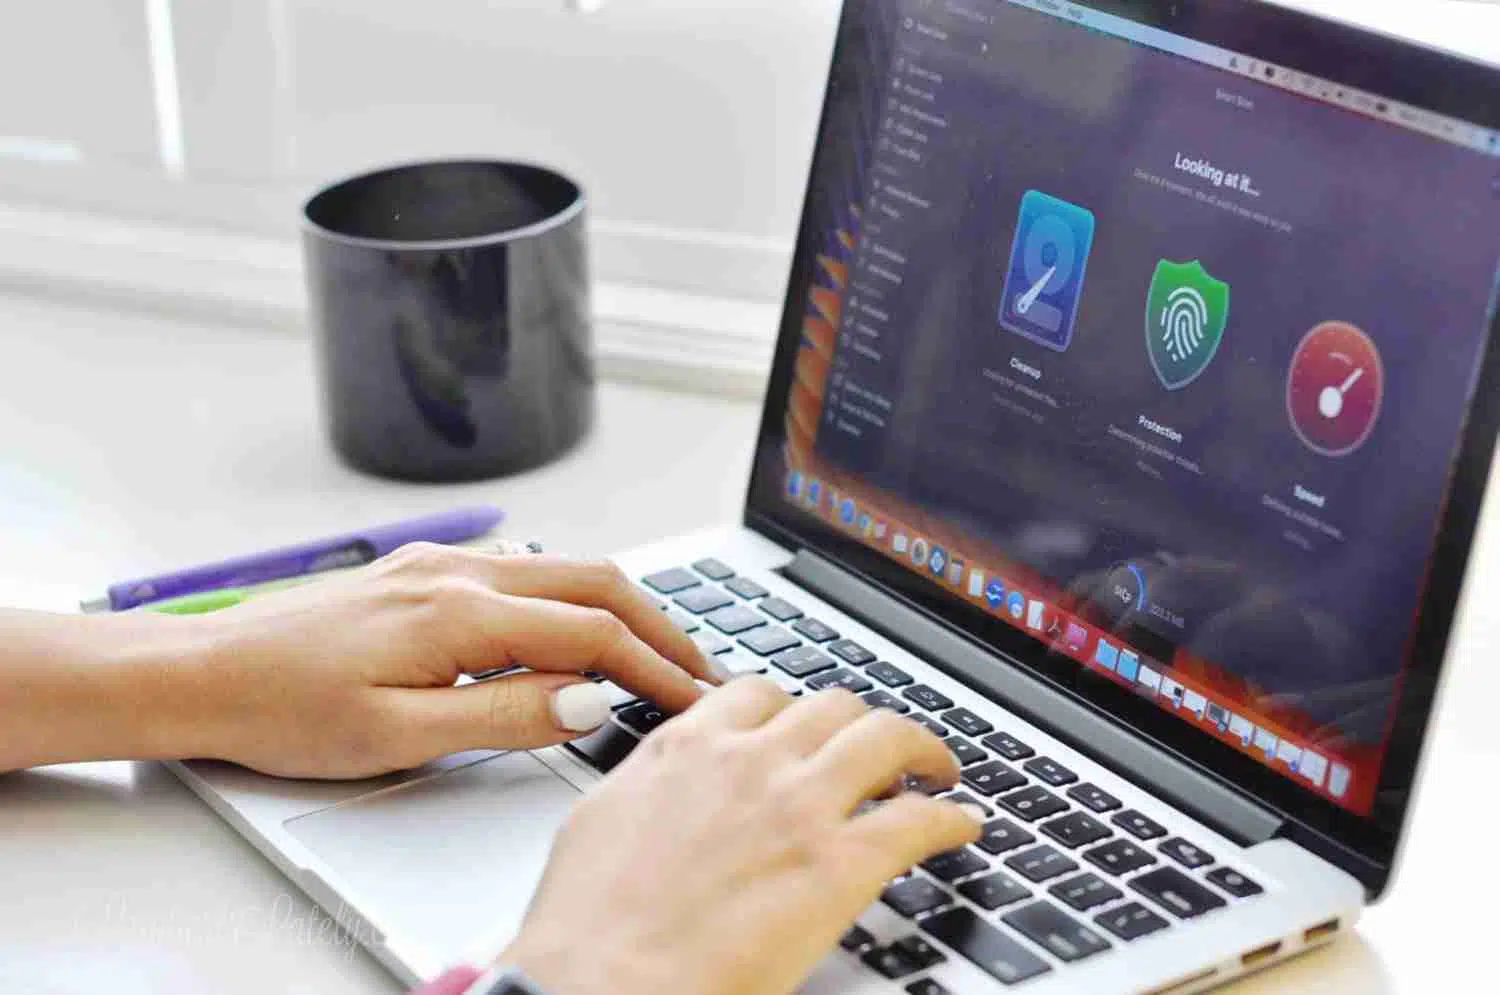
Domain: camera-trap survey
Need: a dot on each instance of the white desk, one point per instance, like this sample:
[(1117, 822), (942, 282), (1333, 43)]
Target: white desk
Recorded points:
[(115, 879)]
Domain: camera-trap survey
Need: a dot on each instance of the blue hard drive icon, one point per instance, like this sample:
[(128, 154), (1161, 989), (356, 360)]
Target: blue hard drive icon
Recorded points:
[(1047, 264)]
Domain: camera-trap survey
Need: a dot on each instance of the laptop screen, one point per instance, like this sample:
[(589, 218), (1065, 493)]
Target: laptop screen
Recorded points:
[(1158, 353)]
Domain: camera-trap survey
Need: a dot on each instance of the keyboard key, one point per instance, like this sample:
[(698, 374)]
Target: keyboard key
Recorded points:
[(683, 620), (671, 581), (1138, 825), (644, 718), (1034, 803), (746, 588), (1076, 829), (1003, 836), (713, 569), (1049, 926), (912, 782), (889, 963), (768, 639), (1234, 882), (998, 955), (710, 644), (846, 679), (741, 664), (735, 619), (858, 938), (702, 600), (850, 652), (814, 631), (964, 752), (936, 728), (992, 778), (804, 661), (955, 864), (781, 611), (928, 698), (1185, 853), (967, 722), (914, 895), (605, 749), (1051, 772), (891, 677), (926, 986), (1008, 746), (1131, 922), (963, 798), (918, 951), (1093, 798), (1119, 857), (1086, 891), (618, 696), (790, 685), (1177, 893), (879, 699), (994, 891), (1041, 863)]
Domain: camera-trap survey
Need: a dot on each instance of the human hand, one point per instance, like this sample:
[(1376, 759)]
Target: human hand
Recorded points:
[(353, 676), (730, 851)]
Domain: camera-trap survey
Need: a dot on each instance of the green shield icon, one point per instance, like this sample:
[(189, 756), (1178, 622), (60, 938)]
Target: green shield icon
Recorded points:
[(1186, 313)]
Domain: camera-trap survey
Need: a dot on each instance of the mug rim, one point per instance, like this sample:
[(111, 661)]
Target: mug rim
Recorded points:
[(557, 220)]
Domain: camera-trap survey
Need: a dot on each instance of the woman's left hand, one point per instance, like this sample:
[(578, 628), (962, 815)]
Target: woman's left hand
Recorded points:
[(354, 675)]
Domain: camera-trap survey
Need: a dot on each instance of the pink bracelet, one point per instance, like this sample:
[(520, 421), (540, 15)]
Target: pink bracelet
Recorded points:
[(453, 982)]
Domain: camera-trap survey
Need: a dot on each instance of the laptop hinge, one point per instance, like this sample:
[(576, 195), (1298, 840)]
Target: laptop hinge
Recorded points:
[(1132, 756)]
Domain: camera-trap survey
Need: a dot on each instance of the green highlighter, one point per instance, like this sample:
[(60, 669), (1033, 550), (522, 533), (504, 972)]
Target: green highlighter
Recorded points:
[(212, 601)]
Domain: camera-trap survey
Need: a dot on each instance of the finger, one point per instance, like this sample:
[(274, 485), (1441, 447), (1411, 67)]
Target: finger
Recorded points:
[(863, 760), (901, 833), (747, 703), (553, 637), (811, 722), (524, 712), (597, 584)]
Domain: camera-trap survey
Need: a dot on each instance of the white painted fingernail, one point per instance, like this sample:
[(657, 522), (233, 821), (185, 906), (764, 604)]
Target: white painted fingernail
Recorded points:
[(580, 707), (719, 672), (972, 811)]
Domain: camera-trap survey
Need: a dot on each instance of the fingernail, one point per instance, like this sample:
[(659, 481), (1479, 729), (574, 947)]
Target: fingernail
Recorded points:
[(719, 672), (580, 707), (972, 811)]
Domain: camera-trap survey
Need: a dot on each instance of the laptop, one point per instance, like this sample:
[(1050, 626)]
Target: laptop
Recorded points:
[(1130, 419)]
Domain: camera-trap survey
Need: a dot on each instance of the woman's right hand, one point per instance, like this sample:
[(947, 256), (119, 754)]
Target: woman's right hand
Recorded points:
[(732, 849)]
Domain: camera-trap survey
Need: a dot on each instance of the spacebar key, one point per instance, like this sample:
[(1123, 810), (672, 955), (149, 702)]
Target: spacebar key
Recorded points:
[(605, 749), (995, 953)]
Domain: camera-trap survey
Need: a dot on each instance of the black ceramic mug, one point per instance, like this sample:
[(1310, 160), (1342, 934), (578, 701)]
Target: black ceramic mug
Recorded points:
[(450, 301)]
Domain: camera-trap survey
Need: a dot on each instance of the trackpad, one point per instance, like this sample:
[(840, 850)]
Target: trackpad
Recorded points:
[(448, 862)]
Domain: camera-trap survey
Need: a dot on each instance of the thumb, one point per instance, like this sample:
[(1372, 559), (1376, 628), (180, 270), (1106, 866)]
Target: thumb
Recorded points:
[(521, 712)]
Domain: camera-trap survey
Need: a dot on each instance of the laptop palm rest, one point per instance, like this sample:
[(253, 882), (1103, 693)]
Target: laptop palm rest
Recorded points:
[(449, 861)]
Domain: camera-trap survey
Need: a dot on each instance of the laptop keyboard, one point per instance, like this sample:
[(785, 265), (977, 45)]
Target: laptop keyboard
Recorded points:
[(1063, 872)]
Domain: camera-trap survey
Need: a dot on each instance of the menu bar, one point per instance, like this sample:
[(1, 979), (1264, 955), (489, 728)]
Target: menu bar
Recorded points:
[(1393, 112)]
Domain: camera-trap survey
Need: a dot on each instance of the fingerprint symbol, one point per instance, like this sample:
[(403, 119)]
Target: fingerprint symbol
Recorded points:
[(1183, 321)]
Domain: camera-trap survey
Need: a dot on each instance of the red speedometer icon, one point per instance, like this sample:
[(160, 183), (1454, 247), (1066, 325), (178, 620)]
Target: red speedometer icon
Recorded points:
[(1335, 388)]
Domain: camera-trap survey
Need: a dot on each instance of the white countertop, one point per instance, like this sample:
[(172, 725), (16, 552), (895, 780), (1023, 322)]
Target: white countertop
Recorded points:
[(133, 443)]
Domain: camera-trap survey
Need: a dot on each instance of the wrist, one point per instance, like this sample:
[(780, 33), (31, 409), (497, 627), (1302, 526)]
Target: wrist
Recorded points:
[(561, 968), (156, 669)]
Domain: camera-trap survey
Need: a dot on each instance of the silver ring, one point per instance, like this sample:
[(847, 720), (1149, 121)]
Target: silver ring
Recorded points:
[(506, 547)]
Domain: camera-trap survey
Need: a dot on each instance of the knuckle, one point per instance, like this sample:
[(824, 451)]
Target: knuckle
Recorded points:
[(606, 575), (606, 627), (422, 555)]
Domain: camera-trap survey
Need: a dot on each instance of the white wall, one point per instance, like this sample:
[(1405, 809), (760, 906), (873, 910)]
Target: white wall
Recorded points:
[(690, 122)]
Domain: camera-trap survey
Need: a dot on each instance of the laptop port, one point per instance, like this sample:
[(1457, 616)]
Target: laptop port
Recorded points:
[(1260, 954), (1183, 984), (1321, 931)]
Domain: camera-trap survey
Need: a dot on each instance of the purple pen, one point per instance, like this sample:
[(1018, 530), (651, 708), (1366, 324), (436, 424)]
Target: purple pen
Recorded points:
[(338, 552)]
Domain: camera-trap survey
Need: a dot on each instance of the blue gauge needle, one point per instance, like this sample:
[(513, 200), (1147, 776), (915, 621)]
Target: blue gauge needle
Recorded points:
[(1024, 302)]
